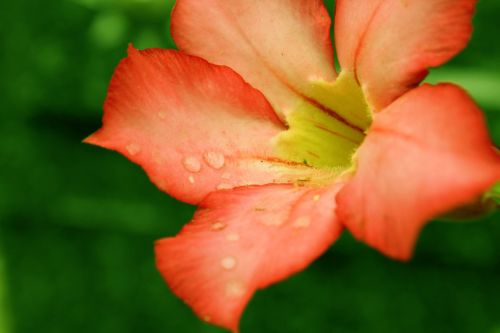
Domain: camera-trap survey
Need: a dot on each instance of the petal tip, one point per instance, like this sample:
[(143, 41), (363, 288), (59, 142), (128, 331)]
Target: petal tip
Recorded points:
[(97, 139), (403, 255), (131, 50), (91, 139)]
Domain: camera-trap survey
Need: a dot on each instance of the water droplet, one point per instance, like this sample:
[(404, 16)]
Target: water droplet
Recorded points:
[(133, 149), (271, 222), (162, 115), (317, 197), (235, 288), (302, 222), (228, 263), (226, 175), (214, 159), (224, 186), (233, 237), (216, 226), (191, 179), (192, 164)]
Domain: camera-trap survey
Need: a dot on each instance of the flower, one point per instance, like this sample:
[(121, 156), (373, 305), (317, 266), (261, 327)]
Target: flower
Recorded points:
[(284, 156)]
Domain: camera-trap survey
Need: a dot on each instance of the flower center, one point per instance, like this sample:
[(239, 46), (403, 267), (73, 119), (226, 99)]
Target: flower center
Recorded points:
[(325, 130)]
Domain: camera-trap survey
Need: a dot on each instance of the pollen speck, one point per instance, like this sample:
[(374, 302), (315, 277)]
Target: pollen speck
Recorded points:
[(228, 263), (192, 164), (316, 197), (224, 186), (271, 222), (162, 115), (235, 289), (218, 226), (233, 237), (133, 149), (302, 222), (226, 175), (191, 179), (214, 159)]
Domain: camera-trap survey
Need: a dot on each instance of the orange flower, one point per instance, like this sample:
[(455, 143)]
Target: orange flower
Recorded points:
[(284, 156)]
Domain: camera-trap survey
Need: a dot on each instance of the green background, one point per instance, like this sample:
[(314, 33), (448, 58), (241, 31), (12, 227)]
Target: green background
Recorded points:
[(78, 222)]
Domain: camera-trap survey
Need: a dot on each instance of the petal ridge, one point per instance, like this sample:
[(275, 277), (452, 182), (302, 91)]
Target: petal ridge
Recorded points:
[(166, 111), (294, 226), (392, 44), (262, 51), (419, 160)]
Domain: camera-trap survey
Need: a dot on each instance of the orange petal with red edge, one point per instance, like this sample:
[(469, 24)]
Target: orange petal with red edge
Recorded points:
[(390, 44), (194, 127), (277, 46), (245, 239), (428, 153)]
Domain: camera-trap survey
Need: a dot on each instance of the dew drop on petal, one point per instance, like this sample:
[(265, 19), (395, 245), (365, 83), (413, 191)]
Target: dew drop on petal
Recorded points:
[(302, 222), (214, 159), (228, 263), (235, 288), (191, 164), (271, 222), (224, 186), (233, 237), (133, 149), (216, 226)]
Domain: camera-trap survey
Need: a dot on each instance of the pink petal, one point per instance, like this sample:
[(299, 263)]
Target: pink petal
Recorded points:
[(390, 44), (243, 240), (428, 153), (277, 46), (194, 127)]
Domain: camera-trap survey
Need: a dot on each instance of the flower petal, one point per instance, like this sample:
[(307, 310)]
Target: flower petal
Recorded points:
[(390, 44), (428, 153), (245, 239), (193, 126), (278, 46)]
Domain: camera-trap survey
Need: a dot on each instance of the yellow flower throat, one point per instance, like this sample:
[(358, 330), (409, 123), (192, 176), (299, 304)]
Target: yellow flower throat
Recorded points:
[(325, 129)]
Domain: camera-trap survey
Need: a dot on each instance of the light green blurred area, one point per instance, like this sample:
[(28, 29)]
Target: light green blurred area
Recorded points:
[(77, 224)]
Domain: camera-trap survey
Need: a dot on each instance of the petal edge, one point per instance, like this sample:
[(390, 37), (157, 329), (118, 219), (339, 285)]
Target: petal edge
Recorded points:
[(428, 153), (242, 240)]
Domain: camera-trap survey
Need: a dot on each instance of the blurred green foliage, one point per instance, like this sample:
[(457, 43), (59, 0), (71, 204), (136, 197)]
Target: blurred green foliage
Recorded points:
[(77, 223)]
